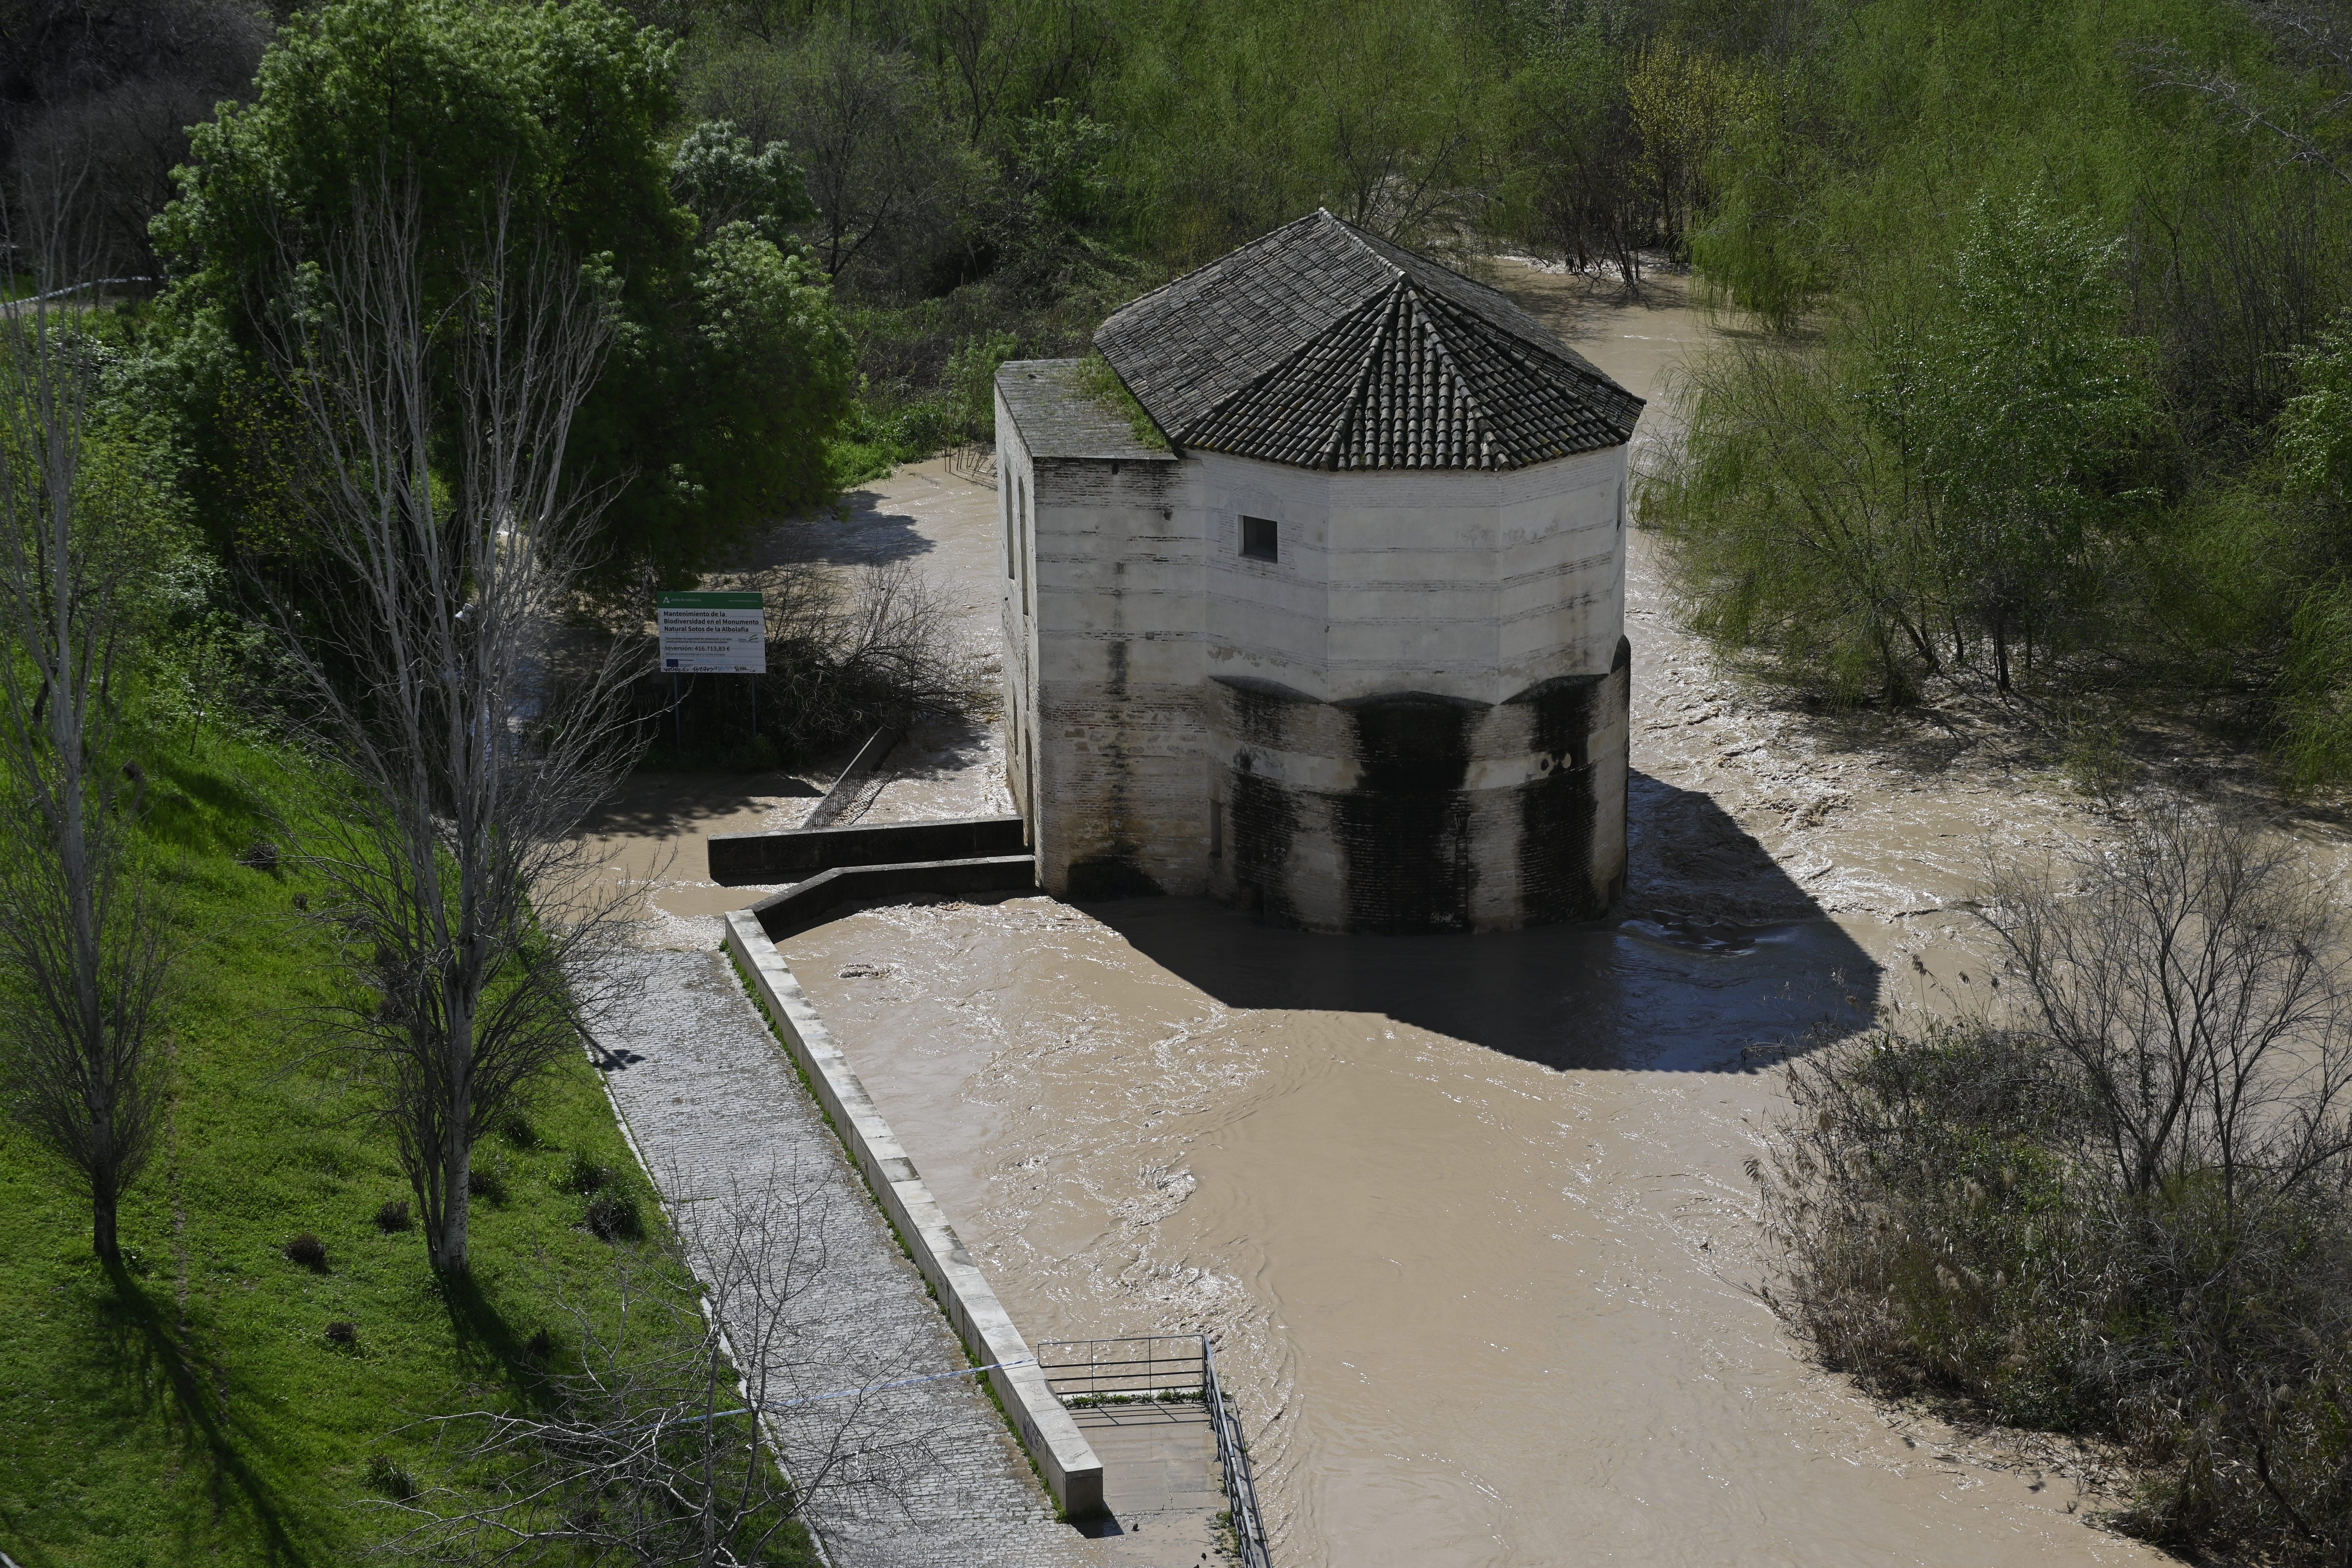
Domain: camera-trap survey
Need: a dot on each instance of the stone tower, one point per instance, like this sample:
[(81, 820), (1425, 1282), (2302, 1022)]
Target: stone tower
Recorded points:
[(1314, 598)]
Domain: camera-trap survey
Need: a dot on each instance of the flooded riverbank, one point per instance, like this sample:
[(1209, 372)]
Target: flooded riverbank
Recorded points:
[(1469, 1215)]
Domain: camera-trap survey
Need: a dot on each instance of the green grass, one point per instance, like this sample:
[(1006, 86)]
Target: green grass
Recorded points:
[(194, 1411)]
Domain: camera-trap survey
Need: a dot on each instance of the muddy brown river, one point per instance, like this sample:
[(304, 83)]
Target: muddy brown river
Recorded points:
[(1466, 1215)]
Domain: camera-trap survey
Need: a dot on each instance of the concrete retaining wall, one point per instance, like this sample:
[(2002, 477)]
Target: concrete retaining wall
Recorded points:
[(1073, 1473), (821, 898), (740, 858)]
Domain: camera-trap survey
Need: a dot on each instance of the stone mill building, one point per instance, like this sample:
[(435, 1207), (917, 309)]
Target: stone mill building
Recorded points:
[(1329, 620)]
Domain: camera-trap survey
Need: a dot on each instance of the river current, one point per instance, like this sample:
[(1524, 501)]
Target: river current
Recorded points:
[(1468, 1216)]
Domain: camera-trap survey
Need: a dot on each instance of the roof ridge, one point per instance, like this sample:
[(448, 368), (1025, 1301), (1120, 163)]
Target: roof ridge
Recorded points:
[(1321, 344), (1352, 409), (1359, 239), (1277, 368), (1470, 398), (1268, 237)]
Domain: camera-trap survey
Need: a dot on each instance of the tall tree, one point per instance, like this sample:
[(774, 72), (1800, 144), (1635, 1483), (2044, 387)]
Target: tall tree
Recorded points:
[(85, 947), (451, 537), (729, 368)]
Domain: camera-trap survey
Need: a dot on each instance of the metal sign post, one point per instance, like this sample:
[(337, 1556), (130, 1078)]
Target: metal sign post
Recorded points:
[(714, 633)]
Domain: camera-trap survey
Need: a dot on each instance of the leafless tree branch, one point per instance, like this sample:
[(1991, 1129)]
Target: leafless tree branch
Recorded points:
[(447, 540), (684, 1436), (85, 948)]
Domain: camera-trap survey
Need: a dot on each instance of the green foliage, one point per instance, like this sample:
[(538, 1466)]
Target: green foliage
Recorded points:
[(727, 370), (194, 1408), (2047, 371), (2315, 704), (1097, 377), (2315, 427), (1883, 499)]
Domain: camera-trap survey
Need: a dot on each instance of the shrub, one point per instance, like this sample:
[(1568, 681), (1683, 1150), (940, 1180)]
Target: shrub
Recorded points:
[(584, 1175), (262, 855), (393, 1216), (541, 1347), (2125, 1208), (309, 1251), (516, 1130), (387, 1476), (613, 1217), (343, 1331)]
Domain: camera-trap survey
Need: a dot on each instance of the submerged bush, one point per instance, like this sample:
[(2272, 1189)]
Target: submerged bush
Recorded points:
[(2124, 1209)]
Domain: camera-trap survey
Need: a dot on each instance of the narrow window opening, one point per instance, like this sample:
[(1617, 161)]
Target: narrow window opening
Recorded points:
[(1012, 494), (1216, 831), (1258, 538), (1028, 542)]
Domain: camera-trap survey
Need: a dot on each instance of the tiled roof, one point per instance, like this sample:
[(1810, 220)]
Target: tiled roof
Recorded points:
[(1059, 416), (1326, 347)]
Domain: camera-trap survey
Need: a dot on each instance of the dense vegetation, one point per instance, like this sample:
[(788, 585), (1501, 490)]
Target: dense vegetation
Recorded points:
[(2045, 386), (2048, 392), (2117, 1203)]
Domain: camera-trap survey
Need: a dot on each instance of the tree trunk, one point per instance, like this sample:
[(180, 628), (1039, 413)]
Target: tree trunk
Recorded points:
[(458, 1146), (102, 1238)]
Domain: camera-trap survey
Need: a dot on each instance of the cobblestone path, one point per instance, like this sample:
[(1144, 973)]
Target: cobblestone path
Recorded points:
[(921, 1475)]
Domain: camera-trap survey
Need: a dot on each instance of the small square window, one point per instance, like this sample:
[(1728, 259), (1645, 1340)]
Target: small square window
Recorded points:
[(1257, 537)]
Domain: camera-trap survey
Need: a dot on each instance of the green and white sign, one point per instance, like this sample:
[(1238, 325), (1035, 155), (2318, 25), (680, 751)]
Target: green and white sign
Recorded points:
[(713, 634)]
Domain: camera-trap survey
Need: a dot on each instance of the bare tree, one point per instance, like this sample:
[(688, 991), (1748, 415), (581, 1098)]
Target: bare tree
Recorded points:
[(682, 1438), (2314, 38), (2193, 974), (448, 542), (85, 948)]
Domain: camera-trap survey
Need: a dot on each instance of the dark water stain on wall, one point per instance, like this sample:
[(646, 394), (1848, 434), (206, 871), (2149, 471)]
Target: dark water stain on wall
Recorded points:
[(1403, 833), (1559, 811)]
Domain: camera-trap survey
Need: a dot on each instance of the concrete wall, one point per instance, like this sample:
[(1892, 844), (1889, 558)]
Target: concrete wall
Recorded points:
[(1103, 623), (1461, 585), (1419, 812), (1072, 1472), (736, 859), (1411, 719)]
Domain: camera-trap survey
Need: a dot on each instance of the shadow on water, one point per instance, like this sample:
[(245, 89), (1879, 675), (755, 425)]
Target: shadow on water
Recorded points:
[(1717, 954), (864, 528)]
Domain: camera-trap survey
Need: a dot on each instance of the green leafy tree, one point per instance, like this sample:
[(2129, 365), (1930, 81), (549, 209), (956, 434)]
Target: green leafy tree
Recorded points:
[(2316, 445), (727, 370), (2025, 403)]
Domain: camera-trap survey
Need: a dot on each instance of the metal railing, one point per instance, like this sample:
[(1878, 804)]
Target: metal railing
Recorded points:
[(1144, 1367), (1233, 1454), (1163, 1368)]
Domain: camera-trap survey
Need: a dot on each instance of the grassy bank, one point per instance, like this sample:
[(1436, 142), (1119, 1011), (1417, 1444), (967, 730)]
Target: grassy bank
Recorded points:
[(195, 1408)]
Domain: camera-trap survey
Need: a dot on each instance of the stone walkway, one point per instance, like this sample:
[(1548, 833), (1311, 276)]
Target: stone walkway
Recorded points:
[(924, 1475)]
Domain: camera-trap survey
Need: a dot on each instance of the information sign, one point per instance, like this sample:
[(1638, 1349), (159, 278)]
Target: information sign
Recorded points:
[(713, 634)]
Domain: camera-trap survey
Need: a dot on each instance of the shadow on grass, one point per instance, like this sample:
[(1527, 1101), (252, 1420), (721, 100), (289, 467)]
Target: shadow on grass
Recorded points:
[(200, 811), (161, 1372), (488, 1342)]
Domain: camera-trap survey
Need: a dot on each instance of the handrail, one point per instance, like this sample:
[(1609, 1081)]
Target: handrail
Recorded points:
[(1084, 1381), (1232, 1455)]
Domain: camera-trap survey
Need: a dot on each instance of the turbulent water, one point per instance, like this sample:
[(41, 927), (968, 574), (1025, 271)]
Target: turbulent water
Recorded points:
[(1468, 1216)]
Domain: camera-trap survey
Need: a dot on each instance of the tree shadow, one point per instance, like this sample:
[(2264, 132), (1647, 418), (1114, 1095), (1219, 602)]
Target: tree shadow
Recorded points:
[(1718, 960), (488, 1338), (160, 1372), (864, 528), (671, 805)]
